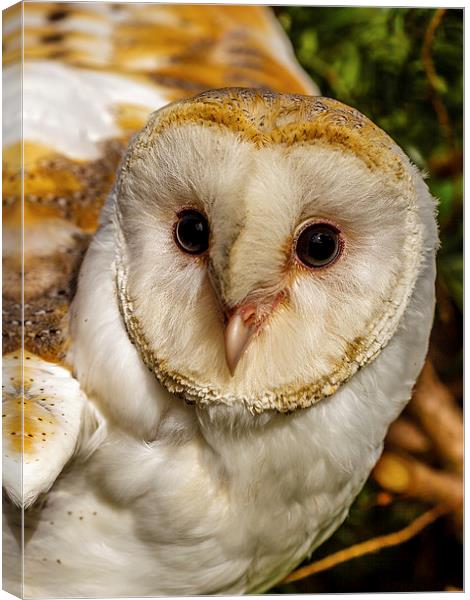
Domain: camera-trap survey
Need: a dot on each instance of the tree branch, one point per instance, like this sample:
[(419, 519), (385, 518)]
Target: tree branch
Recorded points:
[(435, 408), (370, 546)]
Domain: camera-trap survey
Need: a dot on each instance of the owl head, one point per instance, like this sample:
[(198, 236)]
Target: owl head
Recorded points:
[(266, 246)]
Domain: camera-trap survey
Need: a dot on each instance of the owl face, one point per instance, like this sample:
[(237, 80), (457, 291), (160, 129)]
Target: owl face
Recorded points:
[(266, 246)]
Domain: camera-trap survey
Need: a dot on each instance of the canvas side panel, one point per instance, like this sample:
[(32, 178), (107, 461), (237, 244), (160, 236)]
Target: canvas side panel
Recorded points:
[(12, 380)]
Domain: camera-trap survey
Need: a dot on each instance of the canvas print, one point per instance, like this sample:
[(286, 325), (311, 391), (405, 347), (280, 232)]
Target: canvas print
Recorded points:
[(232, 299)]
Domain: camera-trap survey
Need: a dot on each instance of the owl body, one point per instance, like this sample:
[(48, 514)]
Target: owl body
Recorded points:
[(212, 496), (231, 388)]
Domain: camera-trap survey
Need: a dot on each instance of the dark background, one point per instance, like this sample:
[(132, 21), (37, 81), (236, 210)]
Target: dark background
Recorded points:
[(403, 68)]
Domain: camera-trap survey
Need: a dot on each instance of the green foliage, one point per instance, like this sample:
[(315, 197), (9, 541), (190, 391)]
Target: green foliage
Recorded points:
[(373, 59)]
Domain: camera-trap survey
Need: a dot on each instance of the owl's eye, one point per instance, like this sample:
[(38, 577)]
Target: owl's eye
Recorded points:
[(192, 232), (318, 245)]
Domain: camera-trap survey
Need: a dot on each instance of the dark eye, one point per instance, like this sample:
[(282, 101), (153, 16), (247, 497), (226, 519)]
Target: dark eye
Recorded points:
[(318, 245), (192, 232)]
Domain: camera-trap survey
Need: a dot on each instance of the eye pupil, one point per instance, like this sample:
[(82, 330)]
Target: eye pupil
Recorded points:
[(321, 246), (192, 232), (318, 245)]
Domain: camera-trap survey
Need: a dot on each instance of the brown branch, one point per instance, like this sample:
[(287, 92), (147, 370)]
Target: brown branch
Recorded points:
[(427, 44), (404, 434), (432, 77), (370, 546), (437, 411)]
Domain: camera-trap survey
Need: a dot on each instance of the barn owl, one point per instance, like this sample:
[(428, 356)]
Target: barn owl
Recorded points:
[(249, 318)]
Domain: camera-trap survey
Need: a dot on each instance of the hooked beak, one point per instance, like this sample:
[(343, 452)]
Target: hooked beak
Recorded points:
[(243, 322), (239, 330)]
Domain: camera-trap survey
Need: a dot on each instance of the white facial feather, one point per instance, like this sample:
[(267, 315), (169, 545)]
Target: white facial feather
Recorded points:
[(334, 320)]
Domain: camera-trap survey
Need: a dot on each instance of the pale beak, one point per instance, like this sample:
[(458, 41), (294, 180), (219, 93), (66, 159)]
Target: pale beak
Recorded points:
[(239, 331), (243, 322)]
